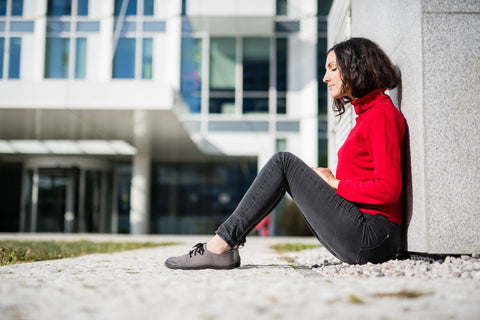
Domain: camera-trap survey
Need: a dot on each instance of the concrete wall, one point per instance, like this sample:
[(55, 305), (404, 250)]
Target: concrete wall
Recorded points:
[(436, 45)]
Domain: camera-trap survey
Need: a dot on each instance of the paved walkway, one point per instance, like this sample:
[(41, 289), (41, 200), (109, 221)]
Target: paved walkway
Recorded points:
[(136, 285)]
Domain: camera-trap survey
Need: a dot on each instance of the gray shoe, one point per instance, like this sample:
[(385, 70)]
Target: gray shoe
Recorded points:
[(200, 258), (236, 257)]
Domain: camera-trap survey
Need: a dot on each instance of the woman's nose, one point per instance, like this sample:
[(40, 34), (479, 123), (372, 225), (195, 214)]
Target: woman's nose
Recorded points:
[(325, 78)]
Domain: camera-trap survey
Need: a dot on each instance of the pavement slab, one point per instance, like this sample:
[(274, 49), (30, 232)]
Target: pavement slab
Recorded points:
[(136, 285)]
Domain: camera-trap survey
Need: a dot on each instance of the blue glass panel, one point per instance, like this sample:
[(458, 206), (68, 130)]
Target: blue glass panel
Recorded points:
[(2, 26), (82, 7), (59, 8), (3, 7), (186, 26), (154, 26), (57, 58), (81, 58), (2, 47), (131, 8), (22, 26), (148, 7), (14, 61), (17, 7), (191, 71), (128, 27), (147, 59), (124, 59), (88, 26), (58, 26)]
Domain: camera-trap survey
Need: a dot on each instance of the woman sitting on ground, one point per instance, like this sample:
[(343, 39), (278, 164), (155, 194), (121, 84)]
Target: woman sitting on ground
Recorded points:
[(356, 215)]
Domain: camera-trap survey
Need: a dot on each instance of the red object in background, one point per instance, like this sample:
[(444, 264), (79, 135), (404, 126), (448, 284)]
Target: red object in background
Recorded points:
[(262, 227)]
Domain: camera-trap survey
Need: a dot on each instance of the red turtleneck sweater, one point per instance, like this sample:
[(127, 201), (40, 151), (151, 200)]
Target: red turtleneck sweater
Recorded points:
[(370, 161)]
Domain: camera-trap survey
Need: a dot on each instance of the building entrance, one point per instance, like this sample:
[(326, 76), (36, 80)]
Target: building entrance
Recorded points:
[(66, 196)]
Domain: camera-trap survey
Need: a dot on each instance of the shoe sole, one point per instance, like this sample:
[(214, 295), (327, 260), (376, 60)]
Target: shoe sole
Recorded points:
[(233, 266)]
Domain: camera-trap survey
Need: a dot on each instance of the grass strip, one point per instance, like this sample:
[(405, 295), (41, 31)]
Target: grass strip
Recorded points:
[(292, 247), (12, 252)]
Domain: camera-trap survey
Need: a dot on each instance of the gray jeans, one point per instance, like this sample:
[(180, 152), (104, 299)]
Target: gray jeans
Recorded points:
[(350, 235)]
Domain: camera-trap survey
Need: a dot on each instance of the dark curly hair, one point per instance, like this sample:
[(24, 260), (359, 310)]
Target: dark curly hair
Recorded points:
[(364, 67)]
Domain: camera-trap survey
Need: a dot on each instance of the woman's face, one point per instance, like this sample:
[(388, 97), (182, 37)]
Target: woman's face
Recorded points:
[(333, 78)]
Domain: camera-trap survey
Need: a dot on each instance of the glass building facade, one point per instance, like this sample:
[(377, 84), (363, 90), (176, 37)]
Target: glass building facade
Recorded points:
[(70, 145)]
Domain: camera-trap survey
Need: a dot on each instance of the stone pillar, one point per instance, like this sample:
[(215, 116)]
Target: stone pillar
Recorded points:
[(140, 188), (436, 45)]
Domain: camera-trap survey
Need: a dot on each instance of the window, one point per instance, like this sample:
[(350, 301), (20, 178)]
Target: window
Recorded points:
[(58, 8), (134, 6), (2, 48), (81, 58), (147, 58), (191, 73), (256, 74), (281, 144), (82, 7), (281, 7), (133, 57), (222, 75), (124, 59), (14, 55), (66, 42), (57, 58), (10, 54), (11, 47), (281, 70), (16, 7)]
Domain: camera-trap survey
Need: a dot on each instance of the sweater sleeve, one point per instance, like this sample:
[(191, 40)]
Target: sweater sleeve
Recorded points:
[(384, 134)]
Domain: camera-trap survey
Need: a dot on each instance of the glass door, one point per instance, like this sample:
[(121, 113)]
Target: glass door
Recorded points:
[(56, 194), (61, 196)]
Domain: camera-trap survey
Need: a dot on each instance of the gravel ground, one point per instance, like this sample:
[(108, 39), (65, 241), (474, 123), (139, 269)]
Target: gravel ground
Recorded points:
[(136, 285)]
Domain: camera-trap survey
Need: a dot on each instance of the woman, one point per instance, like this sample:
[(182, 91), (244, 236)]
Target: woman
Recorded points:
[(356, 215)]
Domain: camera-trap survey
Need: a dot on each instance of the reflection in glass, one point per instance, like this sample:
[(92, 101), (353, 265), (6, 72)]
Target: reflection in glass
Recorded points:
[(193, 198), (52, 191), (255, 105), (17, 7), (147, 58), (56, 58), (124, 59), (82, 7), (14, 60), (281, 105), (56, 8), (148, 7), (256, 59), (281, 7), (281, 64), (3, 7), (2, 48), (191, 71), (131, 8), (222, 64), (222, 105), (81, 58)]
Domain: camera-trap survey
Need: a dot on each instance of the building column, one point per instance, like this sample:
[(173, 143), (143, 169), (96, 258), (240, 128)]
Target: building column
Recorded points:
[(435, 46), (140, 188)]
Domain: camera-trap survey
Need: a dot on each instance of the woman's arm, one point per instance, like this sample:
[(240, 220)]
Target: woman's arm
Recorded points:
[(327, 176)]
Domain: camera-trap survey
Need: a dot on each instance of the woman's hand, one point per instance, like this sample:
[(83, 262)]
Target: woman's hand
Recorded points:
[(327, 176)]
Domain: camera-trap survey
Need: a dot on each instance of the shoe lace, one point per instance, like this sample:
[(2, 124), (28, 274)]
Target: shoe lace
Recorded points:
[(198, 248)]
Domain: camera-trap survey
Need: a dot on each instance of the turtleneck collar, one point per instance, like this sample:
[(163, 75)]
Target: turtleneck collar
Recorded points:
[(367, 101)]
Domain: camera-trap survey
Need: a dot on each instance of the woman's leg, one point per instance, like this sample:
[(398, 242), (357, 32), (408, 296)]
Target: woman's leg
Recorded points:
[(337, 223)]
